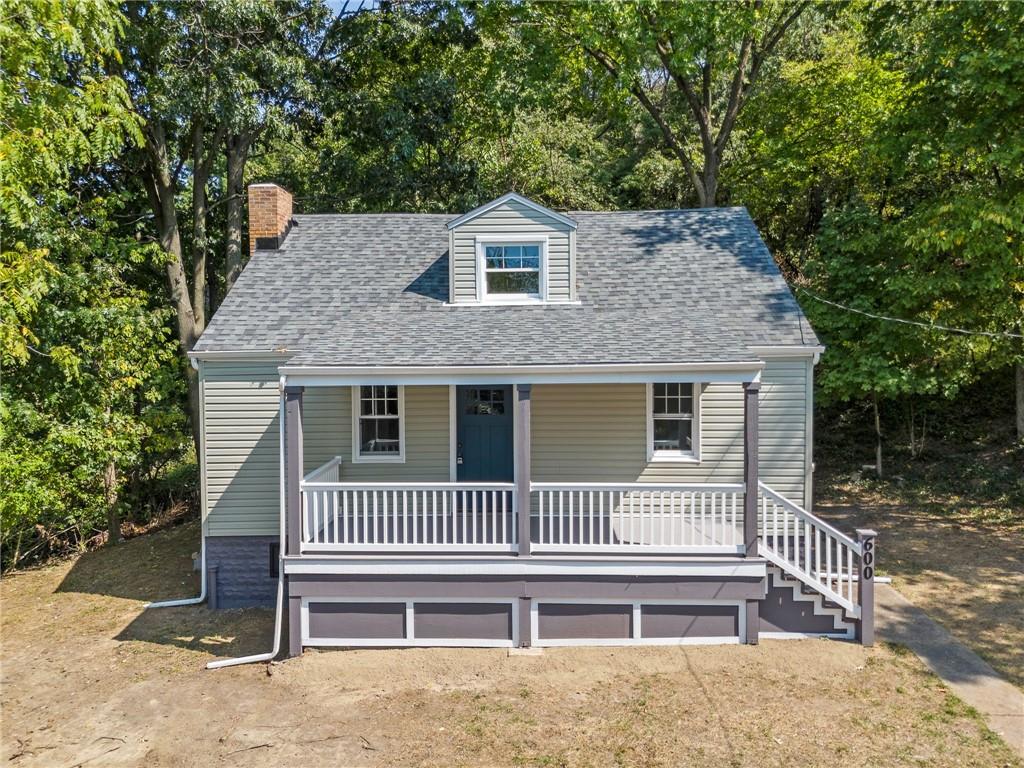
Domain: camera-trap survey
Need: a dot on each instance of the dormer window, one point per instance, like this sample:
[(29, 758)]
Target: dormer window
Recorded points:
[(511, 251), (512, 270)]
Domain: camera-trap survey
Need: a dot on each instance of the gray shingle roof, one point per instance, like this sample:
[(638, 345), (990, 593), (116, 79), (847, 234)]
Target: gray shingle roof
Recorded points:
[(654, 287)]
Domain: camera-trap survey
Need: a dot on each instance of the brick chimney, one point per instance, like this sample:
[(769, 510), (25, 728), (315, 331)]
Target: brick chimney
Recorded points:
[(270, 216)]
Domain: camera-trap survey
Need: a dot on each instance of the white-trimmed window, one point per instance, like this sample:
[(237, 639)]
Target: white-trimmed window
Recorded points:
[(673, 422), (378, 423), (512, 269)]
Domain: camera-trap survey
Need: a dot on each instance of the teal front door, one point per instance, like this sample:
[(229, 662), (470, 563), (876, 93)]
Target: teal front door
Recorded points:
[(484, 434)]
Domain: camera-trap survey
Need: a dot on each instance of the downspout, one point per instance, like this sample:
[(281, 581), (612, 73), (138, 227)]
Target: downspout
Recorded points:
[(272, 654), (202, 491)]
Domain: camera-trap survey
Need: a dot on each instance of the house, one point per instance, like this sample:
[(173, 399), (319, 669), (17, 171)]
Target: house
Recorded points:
[(518, 427)]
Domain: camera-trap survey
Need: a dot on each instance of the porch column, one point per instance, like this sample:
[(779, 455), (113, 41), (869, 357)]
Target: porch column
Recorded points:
[(523, 452), (751, 392), (293, 502)]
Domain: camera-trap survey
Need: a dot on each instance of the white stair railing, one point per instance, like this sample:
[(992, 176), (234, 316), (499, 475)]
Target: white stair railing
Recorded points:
[(808, 549)]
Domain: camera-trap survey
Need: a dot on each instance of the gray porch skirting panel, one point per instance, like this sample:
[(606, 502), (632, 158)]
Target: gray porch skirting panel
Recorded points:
[(690, 621), (239, 571), (359, 621), (574, 621)]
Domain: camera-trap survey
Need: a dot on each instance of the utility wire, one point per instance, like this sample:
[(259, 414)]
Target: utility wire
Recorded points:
[(929, 326)]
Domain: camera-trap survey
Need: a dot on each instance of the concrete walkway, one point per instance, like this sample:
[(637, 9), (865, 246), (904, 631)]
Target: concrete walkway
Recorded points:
[(897, 620)]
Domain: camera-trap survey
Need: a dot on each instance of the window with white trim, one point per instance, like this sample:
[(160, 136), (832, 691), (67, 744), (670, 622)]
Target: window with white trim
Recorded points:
[(673, 412), (378, 429), (512, 270)]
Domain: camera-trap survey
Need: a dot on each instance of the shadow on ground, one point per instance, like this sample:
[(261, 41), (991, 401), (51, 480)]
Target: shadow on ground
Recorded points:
[(969, 579), (224, 633), (156, 566)]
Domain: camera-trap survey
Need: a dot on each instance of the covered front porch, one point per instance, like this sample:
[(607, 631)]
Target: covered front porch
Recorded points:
[(547, 507), (522, 481)]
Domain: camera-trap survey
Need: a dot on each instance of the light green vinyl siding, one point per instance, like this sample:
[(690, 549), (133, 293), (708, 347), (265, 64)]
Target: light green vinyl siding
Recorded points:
[(327, 429), (512, 218), (598, 432), (783, 444), (240, 423)]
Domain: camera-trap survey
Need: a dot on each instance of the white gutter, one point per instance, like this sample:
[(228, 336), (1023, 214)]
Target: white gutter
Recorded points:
[(272, 654)]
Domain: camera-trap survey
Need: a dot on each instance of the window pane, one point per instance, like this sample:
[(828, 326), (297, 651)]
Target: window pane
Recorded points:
[(378, 436), (666, 434), (673, 435), (486, 402), (673, 400), (513, 282), (531, 256)]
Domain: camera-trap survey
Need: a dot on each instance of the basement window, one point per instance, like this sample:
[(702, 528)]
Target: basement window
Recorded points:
[(673, 422), (378, 423)]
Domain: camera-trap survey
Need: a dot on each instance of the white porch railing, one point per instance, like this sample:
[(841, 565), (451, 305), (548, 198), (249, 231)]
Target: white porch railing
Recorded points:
[(808, 548), (340, 517), (637, 517)]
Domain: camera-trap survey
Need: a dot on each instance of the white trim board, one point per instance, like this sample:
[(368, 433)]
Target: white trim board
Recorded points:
[(509, 566), (613, 373), (510, 197)]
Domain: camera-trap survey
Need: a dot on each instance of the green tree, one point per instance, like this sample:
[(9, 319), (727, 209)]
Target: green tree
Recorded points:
[(938, 241), (690, 67), (59, 109)]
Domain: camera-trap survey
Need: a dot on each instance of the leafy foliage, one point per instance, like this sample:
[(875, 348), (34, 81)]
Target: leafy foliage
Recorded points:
[(879, 147)]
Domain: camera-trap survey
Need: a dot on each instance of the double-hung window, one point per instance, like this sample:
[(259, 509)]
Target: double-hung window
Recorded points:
[(673, 417), (378, 431), (512, 270)]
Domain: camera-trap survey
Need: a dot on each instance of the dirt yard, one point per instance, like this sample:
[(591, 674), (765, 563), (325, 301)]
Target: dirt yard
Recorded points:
[(90, 679), (967, 576)]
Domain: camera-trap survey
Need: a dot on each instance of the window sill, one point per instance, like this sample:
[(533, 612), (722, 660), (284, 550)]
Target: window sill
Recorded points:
[(516, 303), (673, 458), (378, 459)]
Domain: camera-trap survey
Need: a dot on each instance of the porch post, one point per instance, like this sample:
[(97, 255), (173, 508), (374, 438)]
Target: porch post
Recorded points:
[(522, 474), (866, 586), (293, 502), (751, 393)]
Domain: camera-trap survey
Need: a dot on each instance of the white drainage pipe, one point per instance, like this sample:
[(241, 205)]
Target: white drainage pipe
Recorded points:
[(202, 582), (256, 658)]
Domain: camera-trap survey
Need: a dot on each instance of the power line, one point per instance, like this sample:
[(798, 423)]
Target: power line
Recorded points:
[(929, 326)]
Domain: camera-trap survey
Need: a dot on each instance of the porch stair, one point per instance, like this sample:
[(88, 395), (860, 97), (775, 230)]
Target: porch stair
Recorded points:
[(819, 562)]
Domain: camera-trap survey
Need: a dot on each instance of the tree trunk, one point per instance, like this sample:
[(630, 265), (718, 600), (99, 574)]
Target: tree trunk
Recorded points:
[(202, 163), (110, 499), (237, 152), (161, 189), (1019, 371), (878, 437)]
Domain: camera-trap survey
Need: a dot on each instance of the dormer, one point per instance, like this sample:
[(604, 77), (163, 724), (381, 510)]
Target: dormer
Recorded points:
[(512, 251)]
